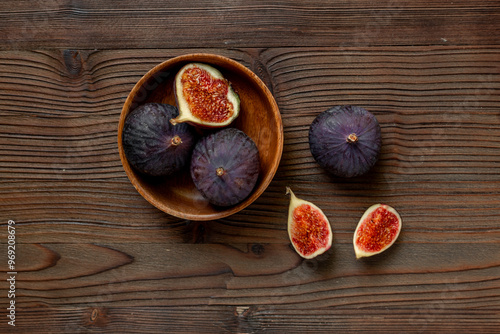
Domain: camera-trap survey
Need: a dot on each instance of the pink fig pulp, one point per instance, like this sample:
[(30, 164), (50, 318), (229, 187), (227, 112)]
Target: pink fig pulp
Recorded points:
[(377, 230), (308, 228), (205, 98)]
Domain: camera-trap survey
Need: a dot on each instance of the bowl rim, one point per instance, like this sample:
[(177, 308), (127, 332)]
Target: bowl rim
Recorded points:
[(264, 183)]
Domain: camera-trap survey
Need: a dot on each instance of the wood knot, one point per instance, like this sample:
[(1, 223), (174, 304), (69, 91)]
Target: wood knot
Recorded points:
[(97, 316), (242, 311), (257, 249), (94, 314), (73, 62), (244, 316)]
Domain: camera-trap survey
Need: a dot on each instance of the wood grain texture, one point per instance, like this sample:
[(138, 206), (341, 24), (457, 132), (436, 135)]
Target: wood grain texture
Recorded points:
[(187, 24), (94, 256)]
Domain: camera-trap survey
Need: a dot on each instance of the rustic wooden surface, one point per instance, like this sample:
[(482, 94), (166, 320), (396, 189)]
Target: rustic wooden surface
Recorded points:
[(94, 256)]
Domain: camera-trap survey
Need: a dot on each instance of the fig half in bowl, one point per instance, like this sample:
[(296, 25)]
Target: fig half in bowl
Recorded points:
[(204, 97), (259, 118)]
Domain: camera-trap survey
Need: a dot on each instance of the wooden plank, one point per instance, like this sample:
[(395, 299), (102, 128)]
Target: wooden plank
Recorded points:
[(191, 24), (94, 256), (167, 273), (245, 319), (66, 283)]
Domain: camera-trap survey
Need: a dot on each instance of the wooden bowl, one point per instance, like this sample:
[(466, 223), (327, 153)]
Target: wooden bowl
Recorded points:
[(259, 118)]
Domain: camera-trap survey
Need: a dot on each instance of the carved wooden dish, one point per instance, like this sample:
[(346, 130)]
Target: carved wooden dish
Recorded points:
[(259, 118)]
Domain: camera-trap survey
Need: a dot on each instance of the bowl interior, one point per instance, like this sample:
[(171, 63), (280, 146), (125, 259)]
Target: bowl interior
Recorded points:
[(259, 118)]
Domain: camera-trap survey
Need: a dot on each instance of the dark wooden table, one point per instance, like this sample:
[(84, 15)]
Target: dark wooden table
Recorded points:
[(93, 256)]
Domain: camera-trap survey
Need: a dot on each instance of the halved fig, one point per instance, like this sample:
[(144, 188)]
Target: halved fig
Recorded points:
[(204, 97), (308, 227), (225, 166), (152, 145), (377, 230)]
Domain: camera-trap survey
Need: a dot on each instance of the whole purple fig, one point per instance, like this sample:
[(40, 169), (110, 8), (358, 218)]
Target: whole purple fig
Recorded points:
[(152, 145), (345, 140), (225, 166)]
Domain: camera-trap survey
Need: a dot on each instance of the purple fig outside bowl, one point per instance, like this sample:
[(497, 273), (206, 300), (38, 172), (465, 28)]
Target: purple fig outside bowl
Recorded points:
[(345, 140)]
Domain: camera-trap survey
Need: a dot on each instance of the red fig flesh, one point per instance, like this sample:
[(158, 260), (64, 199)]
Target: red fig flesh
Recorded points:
[(308, 228), (204, 97), (377, 230)]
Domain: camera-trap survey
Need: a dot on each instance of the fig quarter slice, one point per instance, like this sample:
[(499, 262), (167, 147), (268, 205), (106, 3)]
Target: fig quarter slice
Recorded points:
[(204, 97), (377, 230), (308, 227)]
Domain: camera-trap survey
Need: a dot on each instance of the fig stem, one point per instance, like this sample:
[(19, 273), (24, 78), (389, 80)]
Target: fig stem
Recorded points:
[(290, 192), (176, 140), (179, 119), (352, 138), (220, 171)]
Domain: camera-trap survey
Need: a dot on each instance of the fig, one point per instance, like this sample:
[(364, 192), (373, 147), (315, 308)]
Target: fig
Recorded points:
[(225, 166), (345, 140), (204, 97), (308, 227), (152, 145), (377, 230)]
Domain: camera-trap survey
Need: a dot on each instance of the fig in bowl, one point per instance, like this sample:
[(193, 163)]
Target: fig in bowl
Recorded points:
[(205, 98), (258, 118), (225, 166), (152, 145)]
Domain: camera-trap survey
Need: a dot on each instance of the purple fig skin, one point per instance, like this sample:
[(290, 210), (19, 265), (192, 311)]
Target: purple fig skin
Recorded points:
[(152, 145), (335, 148), (225, 166)]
